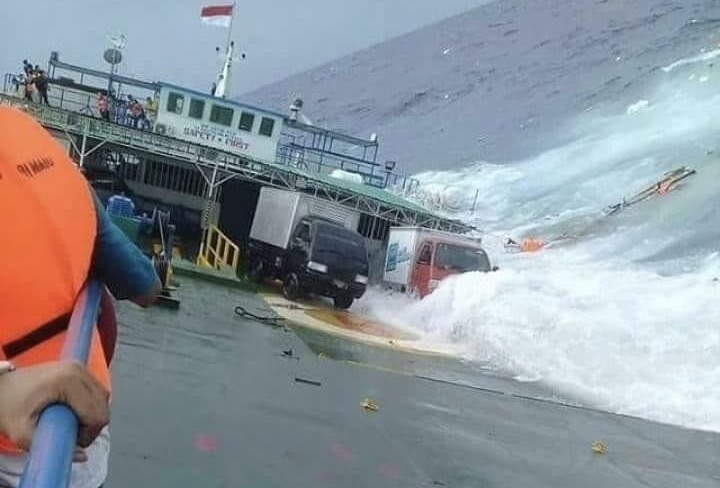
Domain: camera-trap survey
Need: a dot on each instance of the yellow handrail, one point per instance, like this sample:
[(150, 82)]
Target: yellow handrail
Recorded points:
[(218, 252)]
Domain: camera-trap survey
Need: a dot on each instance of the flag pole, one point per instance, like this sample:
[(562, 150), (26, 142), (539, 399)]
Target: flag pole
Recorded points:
[(229, 36)]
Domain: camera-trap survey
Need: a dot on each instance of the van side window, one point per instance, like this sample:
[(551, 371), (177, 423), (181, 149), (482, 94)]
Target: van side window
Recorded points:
[(425, 254), (304, 232)]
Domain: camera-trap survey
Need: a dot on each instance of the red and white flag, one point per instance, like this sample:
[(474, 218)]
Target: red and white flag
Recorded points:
[(219, 15)]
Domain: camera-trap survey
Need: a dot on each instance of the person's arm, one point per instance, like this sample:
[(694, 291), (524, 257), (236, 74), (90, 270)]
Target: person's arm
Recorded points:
[(25, 392), (121, 266)]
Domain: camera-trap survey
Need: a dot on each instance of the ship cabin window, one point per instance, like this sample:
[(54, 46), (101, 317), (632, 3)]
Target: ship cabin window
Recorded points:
[(247, 119), (221, 115), (266, 127), (197, 108), (175, 103)]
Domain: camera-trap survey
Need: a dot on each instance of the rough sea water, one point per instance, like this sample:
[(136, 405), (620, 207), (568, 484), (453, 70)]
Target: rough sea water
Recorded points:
[(539, 114)]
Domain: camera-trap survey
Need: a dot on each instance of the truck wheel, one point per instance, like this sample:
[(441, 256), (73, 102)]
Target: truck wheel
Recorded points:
[(343, 301), (255, 273), (291, 287)]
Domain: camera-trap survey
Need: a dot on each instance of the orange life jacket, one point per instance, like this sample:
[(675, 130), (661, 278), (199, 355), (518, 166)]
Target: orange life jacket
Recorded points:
[(531, 244), (47, 244), (135, 109), (102, 103)]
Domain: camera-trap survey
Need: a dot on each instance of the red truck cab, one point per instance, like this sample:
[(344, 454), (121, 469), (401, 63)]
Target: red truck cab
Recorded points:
[(437, 259), (418, 259)]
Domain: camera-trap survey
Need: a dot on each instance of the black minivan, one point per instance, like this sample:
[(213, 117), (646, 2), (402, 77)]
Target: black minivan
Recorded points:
[(323, 258)]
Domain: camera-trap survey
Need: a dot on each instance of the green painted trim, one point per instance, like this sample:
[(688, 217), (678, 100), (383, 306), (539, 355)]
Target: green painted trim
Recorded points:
[(186, 268)]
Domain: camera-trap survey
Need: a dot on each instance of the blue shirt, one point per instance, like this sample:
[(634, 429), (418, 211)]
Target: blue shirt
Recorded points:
[(119, 263)]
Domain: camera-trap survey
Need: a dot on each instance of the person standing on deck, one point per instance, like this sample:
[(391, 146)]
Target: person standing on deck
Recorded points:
[(151, 109), (102, 106), (29, 88), (60, 236), (42, 85)]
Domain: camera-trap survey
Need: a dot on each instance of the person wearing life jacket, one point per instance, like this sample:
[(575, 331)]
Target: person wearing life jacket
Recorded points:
[(151, 110), (529, 244), (102, 106), (58, 238), (136, 112)]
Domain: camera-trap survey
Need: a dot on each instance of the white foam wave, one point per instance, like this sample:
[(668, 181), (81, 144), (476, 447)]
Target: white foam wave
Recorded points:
[(637, 106), (627, 340), (707, 56), (625, 315)]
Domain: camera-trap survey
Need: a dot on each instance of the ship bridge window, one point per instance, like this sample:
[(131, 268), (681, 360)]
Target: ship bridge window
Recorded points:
[(197, 107), (175, 102), (221, 115), (266, 127), (247, 119)]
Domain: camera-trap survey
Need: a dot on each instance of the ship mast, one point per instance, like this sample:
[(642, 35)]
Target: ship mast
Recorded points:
[(222, 81)]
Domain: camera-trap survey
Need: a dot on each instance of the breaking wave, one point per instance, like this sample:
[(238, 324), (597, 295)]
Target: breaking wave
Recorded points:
[(624, 314)]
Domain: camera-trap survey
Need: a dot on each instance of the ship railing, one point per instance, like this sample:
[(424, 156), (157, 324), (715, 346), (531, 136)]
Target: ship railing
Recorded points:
[(325, 162), (218, 251), (311, 161), (83, 100), (71, 108), (59, 96), (78, 98)]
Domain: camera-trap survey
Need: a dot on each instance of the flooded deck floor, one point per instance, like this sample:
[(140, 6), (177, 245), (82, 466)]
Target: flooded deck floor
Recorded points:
[(204, 398)]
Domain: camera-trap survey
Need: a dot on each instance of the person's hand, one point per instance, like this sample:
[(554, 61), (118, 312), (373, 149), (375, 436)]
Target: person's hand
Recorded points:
[(25, 392)]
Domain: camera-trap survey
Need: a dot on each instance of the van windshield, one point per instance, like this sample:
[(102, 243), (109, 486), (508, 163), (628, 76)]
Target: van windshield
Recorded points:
[(462, 259), (345, 244)]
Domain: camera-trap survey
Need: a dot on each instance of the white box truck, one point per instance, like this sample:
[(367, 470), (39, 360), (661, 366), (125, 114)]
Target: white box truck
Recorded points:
[(418, 259), (310, 244)]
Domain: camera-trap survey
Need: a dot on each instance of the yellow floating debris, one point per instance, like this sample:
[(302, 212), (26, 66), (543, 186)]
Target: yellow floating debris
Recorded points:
[(599, 448), (322, 355), (368, 404)]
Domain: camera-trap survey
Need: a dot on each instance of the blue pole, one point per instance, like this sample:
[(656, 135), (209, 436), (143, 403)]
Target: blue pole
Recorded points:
[(51, 452)]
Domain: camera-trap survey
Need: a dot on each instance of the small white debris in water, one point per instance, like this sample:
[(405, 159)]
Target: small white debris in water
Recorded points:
[(703, 79), (637, 106), (691, 77), (618, 58), (446, 51), (446, 96)]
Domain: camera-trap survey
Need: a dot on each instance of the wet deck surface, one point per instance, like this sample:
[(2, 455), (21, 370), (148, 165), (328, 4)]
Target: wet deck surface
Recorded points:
[(203, 398), (349, 321)]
